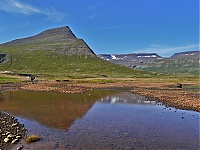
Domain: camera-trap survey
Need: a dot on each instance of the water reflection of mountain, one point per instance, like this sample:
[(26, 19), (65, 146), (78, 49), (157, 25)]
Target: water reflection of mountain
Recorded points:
[(128, 98), (56, 110)]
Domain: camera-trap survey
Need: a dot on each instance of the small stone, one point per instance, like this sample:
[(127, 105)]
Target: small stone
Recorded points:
[(7, 133), (6, 140), (20, 148), (15, 124), (10, 136), (14, 141), (18, 137)]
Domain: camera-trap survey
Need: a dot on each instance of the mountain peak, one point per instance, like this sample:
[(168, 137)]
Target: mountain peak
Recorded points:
[(51, 35), (65, 31), (61, 40)]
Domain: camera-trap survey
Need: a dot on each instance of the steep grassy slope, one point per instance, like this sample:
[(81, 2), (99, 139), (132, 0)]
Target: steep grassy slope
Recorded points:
[(50, 63)]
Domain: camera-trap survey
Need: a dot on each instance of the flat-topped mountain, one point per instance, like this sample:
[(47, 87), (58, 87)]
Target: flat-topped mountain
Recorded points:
[(179, 63), (61, 40), (129, 57), (186, 54)]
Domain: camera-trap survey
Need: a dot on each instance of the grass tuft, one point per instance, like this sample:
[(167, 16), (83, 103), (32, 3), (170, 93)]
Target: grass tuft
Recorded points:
[(32, 138)]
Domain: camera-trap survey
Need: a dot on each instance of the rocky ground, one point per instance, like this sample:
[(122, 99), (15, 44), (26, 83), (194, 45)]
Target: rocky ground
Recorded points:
[(11, 131)]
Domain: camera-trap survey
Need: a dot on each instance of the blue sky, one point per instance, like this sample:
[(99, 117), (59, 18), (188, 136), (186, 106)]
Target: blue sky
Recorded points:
[(108, 26)]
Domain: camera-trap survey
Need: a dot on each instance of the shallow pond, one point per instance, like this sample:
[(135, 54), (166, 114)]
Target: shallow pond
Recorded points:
[(105, 119)]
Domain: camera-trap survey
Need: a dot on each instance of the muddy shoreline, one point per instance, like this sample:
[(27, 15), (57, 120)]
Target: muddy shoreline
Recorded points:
[(167, 93)]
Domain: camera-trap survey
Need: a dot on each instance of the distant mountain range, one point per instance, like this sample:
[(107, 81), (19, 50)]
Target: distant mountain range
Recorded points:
[(130, 57), (179, 63)]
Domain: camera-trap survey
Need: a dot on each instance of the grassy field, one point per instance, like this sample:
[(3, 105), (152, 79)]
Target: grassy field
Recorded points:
[(5, 78), (9, 79)]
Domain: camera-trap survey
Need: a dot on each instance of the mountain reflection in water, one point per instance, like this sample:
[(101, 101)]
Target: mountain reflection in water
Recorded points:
[(104, 119), (58, 110)]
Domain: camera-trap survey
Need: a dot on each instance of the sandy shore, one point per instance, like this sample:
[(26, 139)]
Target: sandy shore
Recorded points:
[(167, 93)]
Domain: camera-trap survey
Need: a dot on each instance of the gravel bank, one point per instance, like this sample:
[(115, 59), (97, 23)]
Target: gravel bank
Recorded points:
[(11, 131)]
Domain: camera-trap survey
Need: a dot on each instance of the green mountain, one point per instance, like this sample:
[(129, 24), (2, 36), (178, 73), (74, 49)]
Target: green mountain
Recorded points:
[(59, 53)]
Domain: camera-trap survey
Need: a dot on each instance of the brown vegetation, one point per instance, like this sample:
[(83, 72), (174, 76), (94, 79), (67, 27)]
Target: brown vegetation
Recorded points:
[(32, 138)]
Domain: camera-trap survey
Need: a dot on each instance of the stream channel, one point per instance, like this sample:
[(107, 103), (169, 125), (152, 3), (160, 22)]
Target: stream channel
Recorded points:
[(102, 119)]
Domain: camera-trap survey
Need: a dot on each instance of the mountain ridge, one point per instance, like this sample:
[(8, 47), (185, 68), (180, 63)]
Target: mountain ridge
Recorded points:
[(65, 33), (179, 63), (129, 57), (150, 55), (186, 53), (61, 40)]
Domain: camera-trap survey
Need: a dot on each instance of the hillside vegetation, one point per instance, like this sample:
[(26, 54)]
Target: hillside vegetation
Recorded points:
[(49, 63), (174, 66)]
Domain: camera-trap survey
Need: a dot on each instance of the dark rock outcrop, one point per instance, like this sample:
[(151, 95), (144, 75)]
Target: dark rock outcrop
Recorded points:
[(2, 57)]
